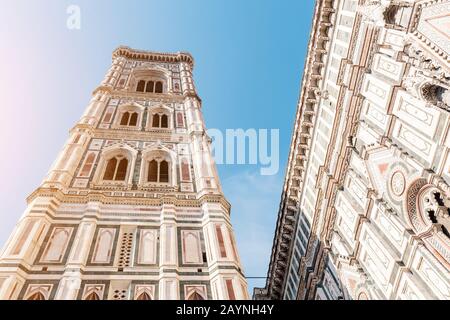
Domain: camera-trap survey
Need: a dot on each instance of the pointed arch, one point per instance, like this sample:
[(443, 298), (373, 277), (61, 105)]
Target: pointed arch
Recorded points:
[(116, 165), (57, 245), (144, 296), (164, 121), (160, 117), (92, 296), (147, 246), (159, 166), (195, 296), (104, 244), (129, 115), (164, 171), (155, 120), (36, 296), (150, 86), (140, 86), (192, 252), (147, 73), (159, 87), (110, 169), (121, 170), (153, 171), (133, 119), (125, 119)]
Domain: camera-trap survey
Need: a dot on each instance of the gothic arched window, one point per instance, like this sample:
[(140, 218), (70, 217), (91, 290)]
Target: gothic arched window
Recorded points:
[(158, 171), (140, 86), (160, 121), (116, 169), (125, 119), (150, 86), (36, 296), (129, 119), (158, 87), (164, 121), (153, 171), (164, 171), (155, 121), (133, 119)]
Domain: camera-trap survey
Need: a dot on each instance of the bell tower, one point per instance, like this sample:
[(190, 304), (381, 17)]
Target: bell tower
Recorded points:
[(132, 208)]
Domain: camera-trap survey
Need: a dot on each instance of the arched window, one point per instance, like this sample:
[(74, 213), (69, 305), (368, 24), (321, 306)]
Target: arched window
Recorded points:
[(144, 296), (158, 171), (92, 296), (158, 87), (195, 296), (160, 121), (164, 171), (155, 121), (133, 119), (125, 119), (116, 169), (110, 169), (164, 121), (153, 171), (122, 170), (129, 119), (150, 86), (140, 86), (36, 296)]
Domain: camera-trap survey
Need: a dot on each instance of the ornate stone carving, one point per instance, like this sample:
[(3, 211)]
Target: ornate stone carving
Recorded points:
[(427, 210), (373, 11)]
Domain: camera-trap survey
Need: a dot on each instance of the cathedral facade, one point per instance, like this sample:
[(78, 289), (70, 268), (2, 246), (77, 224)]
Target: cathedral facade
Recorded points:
[(366, 198), (132, 208)]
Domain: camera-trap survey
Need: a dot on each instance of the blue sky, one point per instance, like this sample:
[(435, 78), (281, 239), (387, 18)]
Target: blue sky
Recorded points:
[(249, 59)]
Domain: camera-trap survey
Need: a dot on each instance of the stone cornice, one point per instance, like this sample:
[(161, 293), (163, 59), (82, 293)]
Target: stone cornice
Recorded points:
[(169, 136), (127, 52), (108, 197), (134, 95)]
